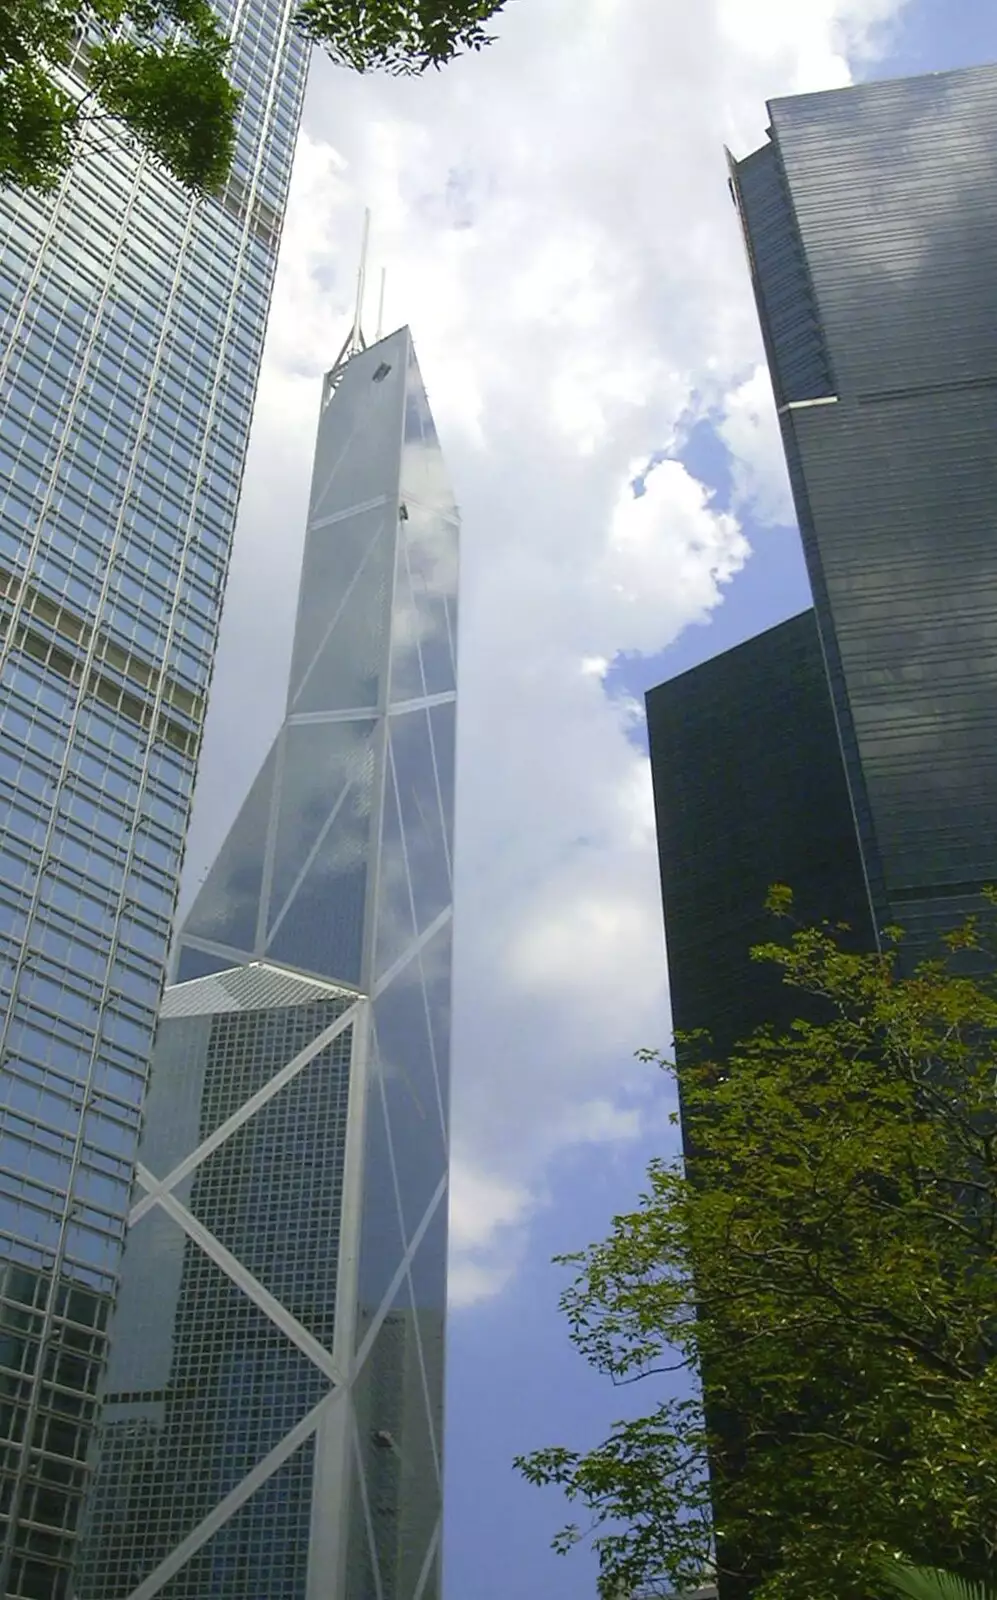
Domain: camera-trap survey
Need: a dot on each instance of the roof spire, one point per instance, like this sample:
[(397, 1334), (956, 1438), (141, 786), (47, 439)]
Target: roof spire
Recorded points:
[(380, 308), (355, 341)]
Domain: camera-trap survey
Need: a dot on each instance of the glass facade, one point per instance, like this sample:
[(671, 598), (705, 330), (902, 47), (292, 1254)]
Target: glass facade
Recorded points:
[(274, 1411), (852, 752), (131, 329), (869, 219), (749, 791)]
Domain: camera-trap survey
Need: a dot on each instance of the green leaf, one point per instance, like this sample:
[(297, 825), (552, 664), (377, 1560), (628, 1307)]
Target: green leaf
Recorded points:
[(37, 128), (176, 100), (156, 66), (397, 36), (930, 1583)]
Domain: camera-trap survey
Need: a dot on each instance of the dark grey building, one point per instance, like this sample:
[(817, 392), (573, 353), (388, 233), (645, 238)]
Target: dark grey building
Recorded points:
[(871, 225), (852, 752), (272, 1422), (750, 790)]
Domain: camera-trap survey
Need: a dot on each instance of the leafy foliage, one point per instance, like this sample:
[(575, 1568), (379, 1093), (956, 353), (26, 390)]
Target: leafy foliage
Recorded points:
[(928, 1583), (159, 68), (399, 36), (829, 1262), (157, 65)]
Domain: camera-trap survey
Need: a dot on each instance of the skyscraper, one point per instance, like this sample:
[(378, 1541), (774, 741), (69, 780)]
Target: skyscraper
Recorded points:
[(853, 748), (131, 328), (869, 219), (750, 791), (273, 1417)]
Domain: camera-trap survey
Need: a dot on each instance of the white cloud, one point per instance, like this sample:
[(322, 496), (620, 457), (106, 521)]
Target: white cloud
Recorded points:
[(750, 430), (486, 1215), (557, 230), (480, 1204)]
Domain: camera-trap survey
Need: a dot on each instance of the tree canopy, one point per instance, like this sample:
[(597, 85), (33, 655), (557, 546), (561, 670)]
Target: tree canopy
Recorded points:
[(158, 68), (398, 36), (828, 1259)]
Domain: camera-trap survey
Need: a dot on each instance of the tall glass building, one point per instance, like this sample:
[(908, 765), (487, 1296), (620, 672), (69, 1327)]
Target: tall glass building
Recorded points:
[(272, 1423), (871, 223), (851, 752), (131, 328), (749, 791)]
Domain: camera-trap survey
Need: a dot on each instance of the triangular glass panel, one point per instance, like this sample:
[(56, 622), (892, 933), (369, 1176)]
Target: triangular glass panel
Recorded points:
[(321, 926), (334, 555), (433, 1587), (406, 664), (377, 1449), (437, 660), (435, 959), (320, 764), (430, 559), (428, 1273), (421, 1498), (362, 1575), (356, 452), (443, 723), (424, 475), (381, 1243), (418, 418), (422, 822), (396, 1452), (192, 963), (345, 672), (395, 924), (173, 1125), (228, 902), (408, 1075)]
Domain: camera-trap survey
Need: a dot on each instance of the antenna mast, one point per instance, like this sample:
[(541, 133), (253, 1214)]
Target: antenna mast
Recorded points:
[(380, 307), (355, 341)]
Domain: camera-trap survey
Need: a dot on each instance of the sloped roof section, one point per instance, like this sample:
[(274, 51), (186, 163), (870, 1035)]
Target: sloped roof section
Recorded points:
[(258, 986)]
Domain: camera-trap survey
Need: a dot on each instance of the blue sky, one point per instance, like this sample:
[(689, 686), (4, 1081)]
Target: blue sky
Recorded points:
[(556, 228)]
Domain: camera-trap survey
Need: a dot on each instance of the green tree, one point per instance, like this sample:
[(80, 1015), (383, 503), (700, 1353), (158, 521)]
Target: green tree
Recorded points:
[(829, 1261), (398, 36), (158, 68)]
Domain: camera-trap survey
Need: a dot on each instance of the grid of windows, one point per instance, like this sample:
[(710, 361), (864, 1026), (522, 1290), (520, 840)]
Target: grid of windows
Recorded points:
[(202, 1382), (48, 1384), (236, 1194), (131, 328)]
